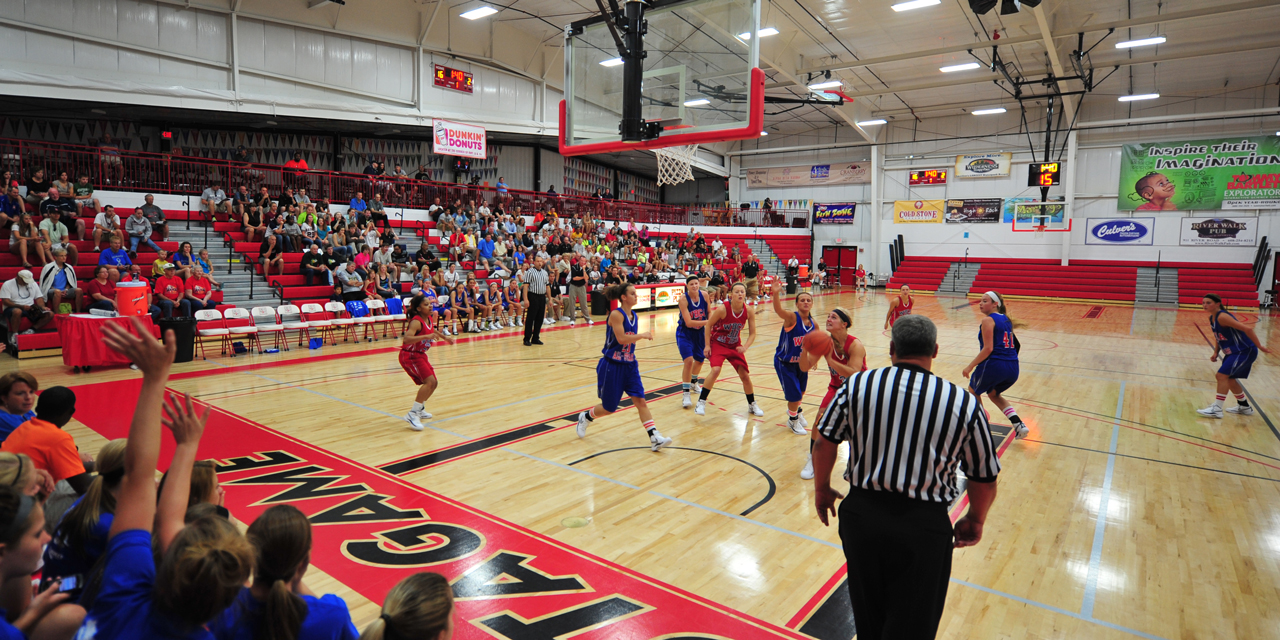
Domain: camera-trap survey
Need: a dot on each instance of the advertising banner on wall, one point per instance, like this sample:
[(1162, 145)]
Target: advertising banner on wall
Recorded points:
[(1219, 232), (984, 165), (908, 211), (1139, 231), (1235, 173), (834, 213), (974, 210), (810, 175), (457, 139)]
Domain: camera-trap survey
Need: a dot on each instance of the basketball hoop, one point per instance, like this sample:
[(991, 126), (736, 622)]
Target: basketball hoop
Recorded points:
[(674, 163), (1039, 229)]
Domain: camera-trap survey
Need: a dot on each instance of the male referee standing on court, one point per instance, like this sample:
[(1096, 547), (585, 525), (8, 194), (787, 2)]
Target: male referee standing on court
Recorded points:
[(907, 431), (535, 291)]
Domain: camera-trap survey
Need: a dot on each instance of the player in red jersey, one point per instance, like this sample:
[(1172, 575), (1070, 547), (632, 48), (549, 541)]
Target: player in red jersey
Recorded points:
[(848, 356), (413, 357), (901, 306), (724, 342)]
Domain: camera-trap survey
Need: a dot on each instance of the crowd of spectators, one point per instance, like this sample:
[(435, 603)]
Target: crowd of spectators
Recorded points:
[(118, 555)]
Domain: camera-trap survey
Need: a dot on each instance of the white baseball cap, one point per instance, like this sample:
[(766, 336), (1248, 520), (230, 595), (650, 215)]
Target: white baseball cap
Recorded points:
[(26, 277)]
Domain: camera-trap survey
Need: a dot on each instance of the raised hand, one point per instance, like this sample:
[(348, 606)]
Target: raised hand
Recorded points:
[(181, 419)]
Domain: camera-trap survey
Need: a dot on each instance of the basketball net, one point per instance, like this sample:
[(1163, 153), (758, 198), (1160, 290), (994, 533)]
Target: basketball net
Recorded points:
[(674, 163)]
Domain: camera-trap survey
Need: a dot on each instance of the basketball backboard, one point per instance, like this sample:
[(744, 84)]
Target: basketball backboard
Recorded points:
[(1041, 217), (701, 78)]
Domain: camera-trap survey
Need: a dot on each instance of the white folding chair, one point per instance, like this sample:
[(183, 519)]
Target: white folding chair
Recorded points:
[(369, 322), (378, 309), (265, 319), (209, 323), (319, 320), (292, 320), (341, 320), (240, 324)]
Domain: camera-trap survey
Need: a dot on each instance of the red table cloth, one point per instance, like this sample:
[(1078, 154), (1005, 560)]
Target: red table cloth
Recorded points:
[(82, 343)]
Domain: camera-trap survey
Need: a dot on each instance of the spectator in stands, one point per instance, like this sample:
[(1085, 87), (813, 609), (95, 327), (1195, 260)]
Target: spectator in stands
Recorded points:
[(204, 564), (58, 202), (139, 230), (183, 260), (106, 226), (262, 200), (363, 259), (357, 206), (425, 259), (484, 251), (109, 156), (23, 523), (101, 290), (11, 206), (116, 259), (291, 233), (206, 266), (371, 238), (351, 281), (287, 204), (381, 284), (25, 240), (63, 183), (241, 200), (384, 258), (377, 211), (314, 266), (155, 215), (171, 293), (322, 207), (37, 187), (22, 298), (271, 253), (309, 234), (81, 535), (17, 400), (8, 179), (157, 265), (253, 222), (198, 290), (50, 448), (214, 199), (82, 193), (341, 242), (58, 282)]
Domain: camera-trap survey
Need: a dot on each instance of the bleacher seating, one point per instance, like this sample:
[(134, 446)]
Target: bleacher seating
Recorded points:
[(920, 273), (1234, 282)]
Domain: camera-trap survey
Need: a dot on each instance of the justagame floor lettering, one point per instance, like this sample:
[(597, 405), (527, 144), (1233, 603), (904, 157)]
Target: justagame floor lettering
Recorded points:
[(371, 529)]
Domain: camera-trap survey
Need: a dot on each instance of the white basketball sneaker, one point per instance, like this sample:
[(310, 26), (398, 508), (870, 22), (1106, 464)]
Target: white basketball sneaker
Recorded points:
[(658, 441), (804, 423), (415, 421), (701, 407), (1211, 411), (1241, 410), (807, 472), (756, 410), (795, 427), (582, 424), (686, 401)]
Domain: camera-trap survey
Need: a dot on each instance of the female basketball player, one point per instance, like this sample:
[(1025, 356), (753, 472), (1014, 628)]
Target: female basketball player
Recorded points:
[(848, 356), (689, 336), (440, 307), (413, 357), (724, 342), (512, 302), (860, 281), (995, 368), (500, 319), (618, 373), (901, 306), (1239, 346), (786, 358), (484, 310), (462, 308)]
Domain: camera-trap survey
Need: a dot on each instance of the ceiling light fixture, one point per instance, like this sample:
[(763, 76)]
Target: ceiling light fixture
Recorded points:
[(696, 103), (99, 112), (831, 84), (988, 112), (763, 33), (1145, 42), (914, 4), (476, 14), (1141, 96), (869, 123), (960, 67), (611, 62)]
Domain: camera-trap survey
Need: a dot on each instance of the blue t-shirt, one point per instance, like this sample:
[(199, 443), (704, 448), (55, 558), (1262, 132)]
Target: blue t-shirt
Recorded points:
[(60, 280), (327, 619), (60, 560), (486, 248), (8, 631), (124, 609), (114, 258), (11, 421)]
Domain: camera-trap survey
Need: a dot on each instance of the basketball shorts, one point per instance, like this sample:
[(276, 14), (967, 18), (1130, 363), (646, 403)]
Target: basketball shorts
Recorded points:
[(720, 353), (440, 308), (417, 366), (794, 381), (1237, 365), (691, 345), (993, 375), (613, 379)]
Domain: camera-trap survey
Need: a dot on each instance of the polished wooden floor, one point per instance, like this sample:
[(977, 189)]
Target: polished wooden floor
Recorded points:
[(1188, 547)]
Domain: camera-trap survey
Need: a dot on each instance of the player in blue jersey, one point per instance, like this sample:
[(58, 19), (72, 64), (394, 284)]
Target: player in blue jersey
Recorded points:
[(618, 373), (995, 368), (1239, 346), (792, 373), (690, 336)]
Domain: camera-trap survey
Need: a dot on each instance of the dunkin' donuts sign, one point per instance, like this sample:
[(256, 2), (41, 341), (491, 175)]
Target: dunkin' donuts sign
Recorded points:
[(457, 139), (1121, 231)]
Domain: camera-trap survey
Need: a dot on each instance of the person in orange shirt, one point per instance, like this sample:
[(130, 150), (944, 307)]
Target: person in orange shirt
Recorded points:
[(49, 447), (170, 293)]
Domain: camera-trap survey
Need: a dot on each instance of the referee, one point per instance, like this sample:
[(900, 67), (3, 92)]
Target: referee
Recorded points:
[(535, 291), (907, 430)]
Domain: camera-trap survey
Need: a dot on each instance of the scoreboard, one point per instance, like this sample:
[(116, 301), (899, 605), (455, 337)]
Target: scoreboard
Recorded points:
[(455, 79), (928, 176), (1044, 174)]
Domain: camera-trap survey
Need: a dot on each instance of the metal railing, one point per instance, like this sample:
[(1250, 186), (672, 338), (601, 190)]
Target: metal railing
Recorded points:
[(146, 172)]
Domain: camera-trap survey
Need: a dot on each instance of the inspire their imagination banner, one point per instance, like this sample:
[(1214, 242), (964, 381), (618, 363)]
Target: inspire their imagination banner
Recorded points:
[(834, 212), (1228, 173), (810, 175)]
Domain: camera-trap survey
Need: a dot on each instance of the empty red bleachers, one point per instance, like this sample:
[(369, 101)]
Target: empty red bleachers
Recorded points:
[(920, 273), (1234, 282)]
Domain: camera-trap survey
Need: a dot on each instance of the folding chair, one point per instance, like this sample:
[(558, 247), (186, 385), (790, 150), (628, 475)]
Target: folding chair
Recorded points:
[(265, 319), (240, 323), (358, 310), (378, 310), (395, 311), (291, 318), (318, 319), (209, 323), (341, 320)]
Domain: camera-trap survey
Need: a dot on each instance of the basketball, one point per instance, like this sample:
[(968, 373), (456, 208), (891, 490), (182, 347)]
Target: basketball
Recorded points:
[(817, 342)]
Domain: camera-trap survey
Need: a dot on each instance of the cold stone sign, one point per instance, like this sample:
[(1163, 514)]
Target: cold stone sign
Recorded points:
[(1135, 231)]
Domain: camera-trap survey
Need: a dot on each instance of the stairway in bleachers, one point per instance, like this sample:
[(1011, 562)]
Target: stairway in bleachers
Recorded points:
[(959, 278), (1157, 285)]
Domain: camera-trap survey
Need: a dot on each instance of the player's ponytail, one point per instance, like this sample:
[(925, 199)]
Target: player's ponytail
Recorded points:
[(420, 606), (281, 536), (616, 291), (1004, 310)]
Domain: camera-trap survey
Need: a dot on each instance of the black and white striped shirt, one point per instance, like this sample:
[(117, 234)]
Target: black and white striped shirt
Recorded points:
[(536, 279), (908, 431)]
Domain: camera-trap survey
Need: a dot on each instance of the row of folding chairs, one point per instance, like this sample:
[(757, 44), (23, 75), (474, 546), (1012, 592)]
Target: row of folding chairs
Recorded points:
[(323, 322)]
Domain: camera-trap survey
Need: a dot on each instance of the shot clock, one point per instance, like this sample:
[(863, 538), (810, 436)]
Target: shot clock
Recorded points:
[(1044, 174), (455, 79)]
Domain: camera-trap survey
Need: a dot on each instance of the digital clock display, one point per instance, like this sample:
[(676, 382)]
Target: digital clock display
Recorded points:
[(928, 176), (1044, 174), (455, 79)]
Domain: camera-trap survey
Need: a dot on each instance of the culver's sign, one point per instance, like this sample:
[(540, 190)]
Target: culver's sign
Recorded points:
[(1139, 231)]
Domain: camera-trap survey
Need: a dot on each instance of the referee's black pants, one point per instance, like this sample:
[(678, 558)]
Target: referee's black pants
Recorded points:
[(899, 555), (533, 318)]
